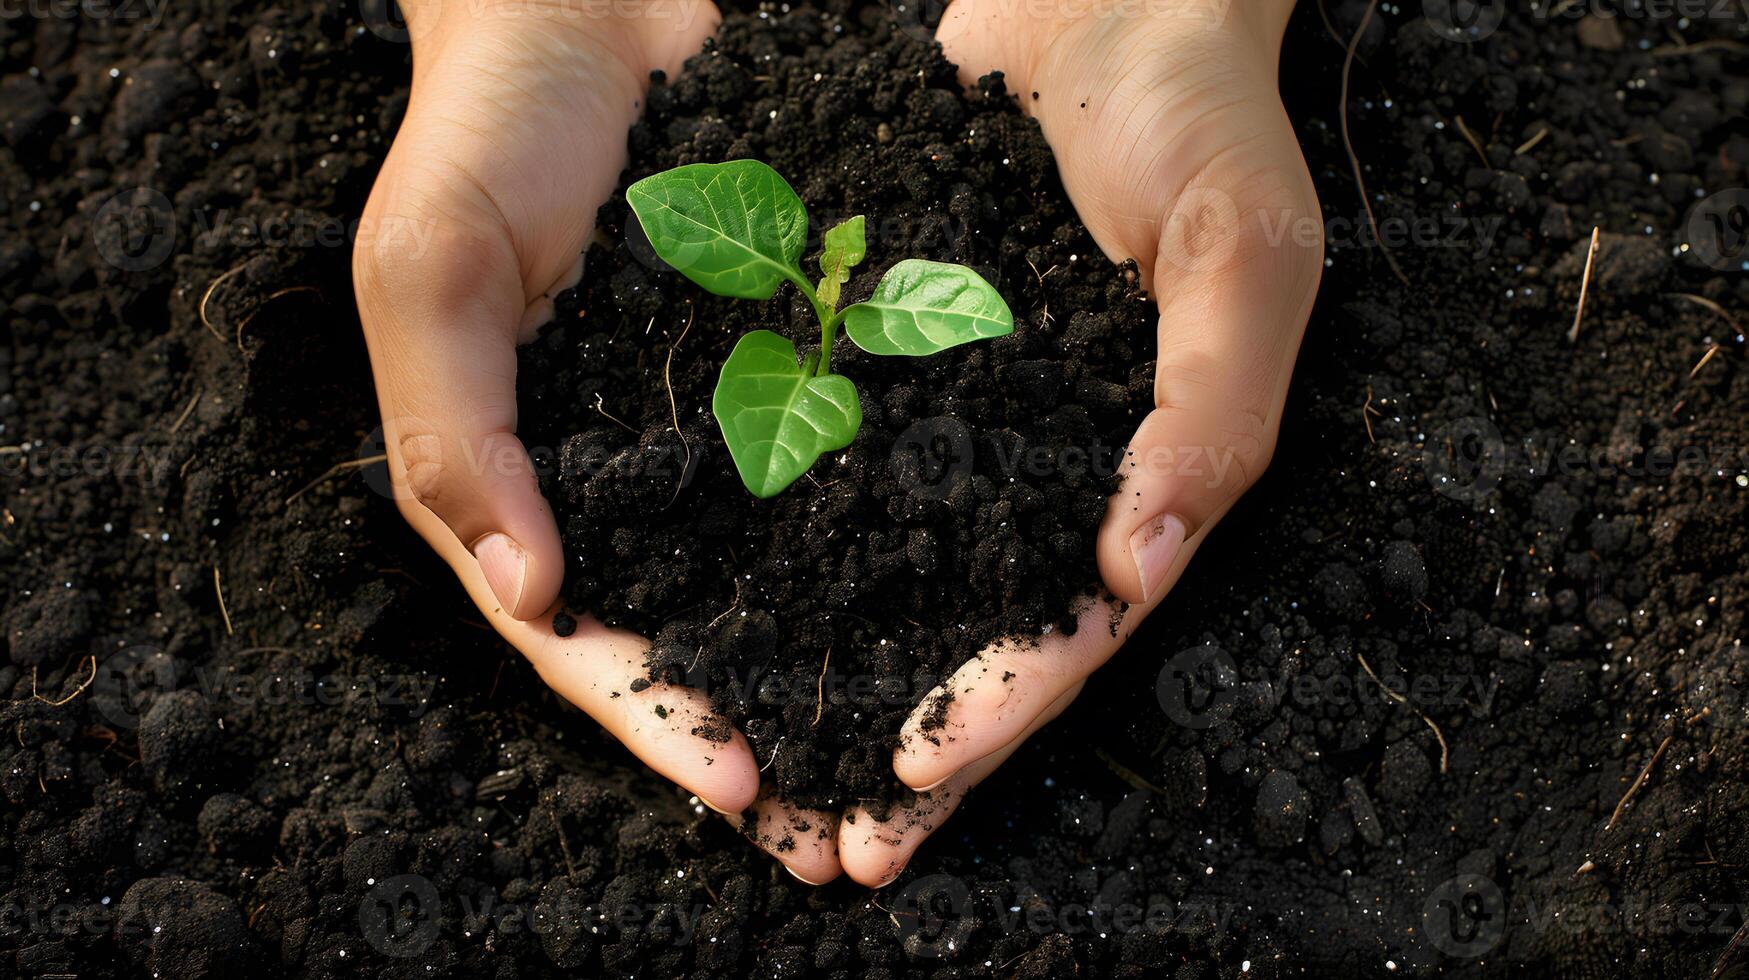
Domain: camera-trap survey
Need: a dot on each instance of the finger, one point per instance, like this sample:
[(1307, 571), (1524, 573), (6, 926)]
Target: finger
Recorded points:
[(805, 842), (874, 852), (440, 294), (1234, 296), (671, 728), (994, 698)]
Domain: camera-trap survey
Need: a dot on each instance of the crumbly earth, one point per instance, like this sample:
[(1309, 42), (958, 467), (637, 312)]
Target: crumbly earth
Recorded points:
[(965, 510), (250, 727)]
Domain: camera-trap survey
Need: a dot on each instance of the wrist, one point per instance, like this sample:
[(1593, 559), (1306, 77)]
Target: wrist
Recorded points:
[(631, 30)]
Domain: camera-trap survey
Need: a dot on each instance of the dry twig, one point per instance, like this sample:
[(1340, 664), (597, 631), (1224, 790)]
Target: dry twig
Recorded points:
[(337, 468), (1638, 781), (1584, 287), (219, 588), (1348, 143), (1444, 750), (667, 379), (76, 691)]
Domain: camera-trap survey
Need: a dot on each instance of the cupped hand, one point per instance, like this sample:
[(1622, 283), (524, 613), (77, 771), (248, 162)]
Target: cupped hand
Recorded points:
[(515, 134), (1172, 142)]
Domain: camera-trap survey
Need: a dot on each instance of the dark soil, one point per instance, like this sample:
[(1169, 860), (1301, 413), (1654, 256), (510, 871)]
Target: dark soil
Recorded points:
[(336, 770), (965, 510)]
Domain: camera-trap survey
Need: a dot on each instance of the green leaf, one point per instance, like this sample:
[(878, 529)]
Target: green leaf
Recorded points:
[(735, 228), (776, 415), (844, 248), (922, 307)]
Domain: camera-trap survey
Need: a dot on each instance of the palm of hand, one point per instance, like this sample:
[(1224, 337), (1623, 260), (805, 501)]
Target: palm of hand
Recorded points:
[(1174, 147)]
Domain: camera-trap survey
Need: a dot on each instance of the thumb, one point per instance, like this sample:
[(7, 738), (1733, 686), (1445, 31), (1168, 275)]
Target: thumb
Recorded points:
[(441, 295), (1234, 297)]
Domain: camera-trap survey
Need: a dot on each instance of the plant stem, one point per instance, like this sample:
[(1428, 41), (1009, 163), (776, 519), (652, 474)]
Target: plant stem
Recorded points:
[(829, 319), (828, 333)]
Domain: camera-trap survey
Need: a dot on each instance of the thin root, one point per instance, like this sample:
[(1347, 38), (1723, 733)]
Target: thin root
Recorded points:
[(820, 691), (1348, 143), (219, 588), (674, 408), (1639, 781), (1702, 301), (336, 469), (270, 298), (201, 308), (1444, 750), (76, 691), (1584, 287)]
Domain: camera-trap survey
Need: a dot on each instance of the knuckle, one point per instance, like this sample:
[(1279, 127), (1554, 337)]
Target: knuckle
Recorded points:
[(423, 468)]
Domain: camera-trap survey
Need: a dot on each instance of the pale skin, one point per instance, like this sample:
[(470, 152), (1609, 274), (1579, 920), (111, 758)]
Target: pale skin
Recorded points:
[(1173, 145)]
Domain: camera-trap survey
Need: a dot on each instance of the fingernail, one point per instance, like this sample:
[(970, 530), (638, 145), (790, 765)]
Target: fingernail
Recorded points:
[(1153, 546), (506, 567), (713, 806), (792, 874)]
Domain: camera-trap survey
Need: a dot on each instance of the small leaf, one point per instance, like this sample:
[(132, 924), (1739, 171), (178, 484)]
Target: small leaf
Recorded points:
[(921, 307), (777, 416), (735, 228), (844, 248)]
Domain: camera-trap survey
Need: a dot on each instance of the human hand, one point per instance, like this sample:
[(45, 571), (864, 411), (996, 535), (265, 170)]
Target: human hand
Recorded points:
[(1173, 144), (515, 134)]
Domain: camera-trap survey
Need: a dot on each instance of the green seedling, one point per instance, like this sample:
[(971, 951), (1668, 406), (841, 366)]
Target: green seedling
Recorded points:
[(738, 230)]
